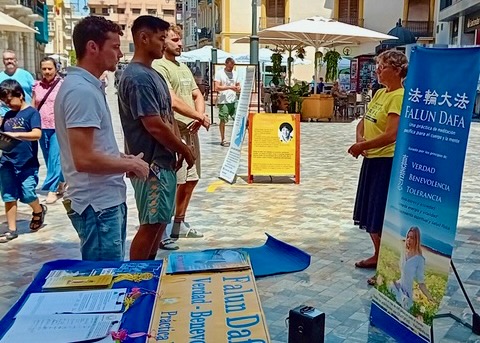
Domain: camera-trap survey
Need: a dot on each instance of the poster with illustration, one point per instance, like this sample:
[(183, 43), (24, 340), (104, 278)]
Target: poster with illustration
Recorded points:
[(274, 145), (424, 192)]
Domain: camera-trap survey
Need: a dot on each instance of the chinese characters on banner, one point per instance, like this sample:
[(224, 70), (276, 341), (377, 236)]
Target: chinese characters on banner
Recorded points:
[(424, 192)]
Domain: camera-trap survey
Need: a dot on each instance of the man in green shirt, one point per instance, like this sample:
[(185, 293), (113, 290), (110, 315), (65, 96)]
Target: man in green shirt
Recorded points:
[(182, 83)]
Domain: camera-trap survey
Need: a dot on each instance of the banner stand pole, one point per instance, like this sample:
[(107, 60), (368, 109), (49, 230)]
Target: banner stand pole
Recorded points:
[(212, 87), (475, 326)]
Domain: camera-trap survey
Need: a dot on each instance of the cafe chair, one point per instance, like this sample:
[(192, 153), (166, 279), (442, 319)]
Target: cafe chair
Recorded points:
[(354, 105), (339, 107)]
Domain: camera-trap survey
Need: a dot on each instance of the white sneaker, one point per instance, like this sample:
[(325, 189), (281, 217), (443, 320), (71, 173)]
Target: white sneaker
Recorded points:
[(185, 231)]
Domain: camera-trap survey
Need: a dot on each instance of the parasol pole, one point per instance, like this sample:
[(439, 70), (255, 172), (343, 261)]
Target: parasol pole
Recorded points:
[(316, 71)]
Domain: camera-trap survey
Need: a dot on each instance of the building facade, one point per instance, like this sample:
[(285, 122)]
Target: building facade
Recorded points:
[(232, 19), (187, 17), (62, 18), (124, 12), (29, 47), (458, 22)]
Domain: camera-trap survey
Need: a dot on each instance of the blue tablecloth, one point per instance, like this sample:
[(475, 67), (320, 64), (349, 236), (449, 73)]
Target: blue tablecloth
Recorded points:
[(136, 319)]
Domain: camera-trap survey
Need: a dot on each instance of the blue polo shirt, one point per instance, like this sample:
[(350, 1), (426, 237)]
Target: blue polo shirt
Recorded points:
[(81, 103), (25, 79)]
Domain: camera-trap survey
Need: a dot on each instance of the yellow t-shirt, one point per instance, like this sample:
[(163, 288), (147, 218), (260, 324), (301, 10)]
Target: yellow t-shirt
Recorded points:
[(179, 79), (375, 120)]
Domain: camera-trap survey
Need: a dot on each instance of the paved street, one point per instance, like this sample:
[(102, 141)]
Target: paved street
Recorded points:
[(314, 216)]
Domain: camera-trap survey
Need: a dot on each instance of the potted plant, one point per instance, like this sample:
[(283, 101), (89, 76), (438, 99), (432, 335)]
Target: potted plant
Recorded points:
[(275, 100), (276, 67), (331, 58), (294, 95)]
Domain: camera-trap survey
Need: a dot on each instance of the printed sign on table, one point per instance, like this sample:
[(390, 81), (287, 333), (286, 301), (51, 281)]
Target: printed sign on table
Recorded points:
[(424, 193), (274, 145), (208, 307)]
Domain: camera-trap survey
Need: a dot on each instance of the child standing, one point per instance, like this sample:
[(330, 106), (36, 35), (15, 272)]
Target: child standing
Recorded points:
[(19, 167)]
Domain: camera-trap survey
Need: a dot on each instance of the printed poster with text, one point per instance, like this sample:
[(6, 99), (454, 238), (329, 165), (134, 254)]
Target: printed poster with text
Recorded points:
[(424, 193), (208, 307), (273, 144), (232, 159)]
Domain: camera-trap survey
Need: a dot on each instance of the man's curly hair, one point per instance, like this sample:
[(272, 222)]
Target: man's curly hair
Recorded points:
[(92, 28)]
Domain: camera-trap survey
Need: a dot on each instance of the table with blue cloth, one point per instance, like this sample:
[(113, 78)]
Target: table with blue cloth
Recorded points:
[(129, 274)]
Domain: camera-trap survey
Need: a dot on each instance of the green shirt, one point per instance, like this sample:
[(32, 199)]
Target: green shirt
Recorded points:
[(180, 80)]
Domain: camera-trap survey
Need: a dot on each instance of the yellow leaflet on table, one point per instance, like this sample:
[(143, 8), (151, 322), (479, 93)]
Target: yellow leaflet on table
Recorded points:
[(78, 282), (273, 144), (208, 307)]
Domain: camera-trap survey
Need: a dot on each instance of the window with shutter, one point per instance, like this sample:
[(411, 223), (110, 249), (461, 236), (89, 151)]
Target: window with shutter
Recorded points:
[(348, 11), (275, 11)]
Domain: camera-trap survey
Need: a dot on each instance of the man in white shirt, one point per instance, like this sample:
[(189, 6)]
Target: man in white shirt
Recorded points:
[(227, 86)]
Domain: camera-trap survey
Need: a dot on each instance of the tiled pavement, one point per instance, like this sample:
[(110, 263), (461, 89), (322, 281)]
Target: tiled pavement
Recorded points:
[(314, 216)]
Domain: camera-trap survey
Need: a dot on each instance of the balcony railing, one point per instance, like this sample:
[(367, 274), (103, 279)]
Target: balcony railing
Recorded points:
[(351, 21), (419, 28), (266, 22), (205, 33), (36, 5)]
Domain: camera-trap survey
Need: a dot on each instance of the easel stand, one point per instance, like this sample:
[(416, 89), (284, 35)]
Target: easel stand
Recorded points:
[(475, 326)]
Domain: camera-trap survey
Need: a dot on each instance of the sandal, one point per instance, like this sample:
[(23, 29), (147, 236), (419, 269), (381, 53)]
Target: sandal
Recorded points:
[(363, 264), (372, 281), (36, 224), (225, 143), (8, 236)]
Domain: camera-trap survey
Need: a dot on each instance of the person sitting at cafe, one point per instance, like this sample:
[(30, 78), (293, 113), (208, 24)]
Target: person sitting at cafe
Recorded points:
[(339, 97)]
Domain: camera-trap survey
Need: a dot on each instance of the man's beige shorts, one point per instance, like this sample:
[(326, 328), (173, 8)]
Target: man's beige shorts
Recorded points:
[(192, 174)]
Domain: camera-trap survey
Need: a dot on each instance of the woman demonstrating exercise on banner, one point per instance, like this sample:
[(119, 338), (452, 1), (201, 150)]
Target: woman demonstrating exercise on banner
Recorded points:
[(375, 141), (412, 268)]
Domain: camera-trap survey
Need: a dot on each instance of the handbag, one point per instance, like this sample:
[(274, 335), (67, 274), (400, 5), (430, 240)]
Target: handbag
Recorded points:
[(48, 93)]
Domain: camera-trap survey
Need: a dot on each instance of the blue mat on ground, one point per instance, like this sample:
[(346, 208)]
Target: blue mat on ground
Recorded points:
[(277, 257)]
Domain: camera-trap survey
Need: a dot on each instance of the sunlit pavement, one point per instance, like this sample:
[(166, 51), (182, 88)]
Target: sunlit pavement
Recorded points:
[(314, 216)]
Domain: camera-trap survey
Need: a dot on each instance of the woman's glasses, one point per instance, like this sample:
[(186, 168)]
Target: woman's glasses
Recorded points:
[(380, 67)]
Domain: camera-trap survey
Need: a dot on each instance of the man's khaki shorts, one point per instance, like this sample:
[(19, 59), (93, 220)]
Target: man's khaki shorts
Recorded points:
[(192, 174)]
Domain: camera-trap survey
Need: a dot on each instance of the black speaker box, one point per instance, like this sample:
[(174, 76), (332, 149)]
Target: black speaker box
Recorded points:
[(306, 324)]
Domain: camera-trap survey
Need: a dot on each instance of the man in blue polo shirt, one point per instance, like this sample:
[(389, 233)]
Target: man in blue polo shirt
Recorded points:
[(23, 77), (91, 162)]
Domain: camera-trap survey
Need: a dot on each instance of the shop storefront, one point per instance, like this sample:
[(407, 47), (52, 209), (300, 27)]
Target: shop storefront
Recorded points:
[(472, 25)]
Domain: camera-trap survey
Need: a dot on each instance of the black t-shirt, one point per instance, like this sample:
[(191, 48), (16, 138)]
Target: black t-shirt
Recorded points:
[(24, 155)]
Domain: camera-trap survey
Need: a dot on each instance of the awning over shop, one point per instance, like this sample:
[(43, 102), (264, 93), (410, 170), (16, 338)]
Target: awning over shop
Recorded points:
[(404, 36), (10, 24)]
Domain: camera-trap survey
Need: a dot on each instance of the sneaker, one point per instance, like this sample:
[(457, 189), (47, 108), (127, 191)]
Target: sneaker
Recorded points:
[(52, 197), (185, 232), (168, 244)]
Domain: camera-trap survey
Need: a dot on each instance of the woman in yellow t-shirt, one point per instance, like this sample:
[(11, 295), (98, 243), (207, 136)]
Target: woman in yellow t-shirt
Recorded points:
[(375, 141)]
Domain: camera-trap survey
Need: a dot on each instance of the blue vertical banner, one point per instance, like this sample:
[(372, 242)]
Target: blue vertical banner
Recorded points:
[(424, 192)]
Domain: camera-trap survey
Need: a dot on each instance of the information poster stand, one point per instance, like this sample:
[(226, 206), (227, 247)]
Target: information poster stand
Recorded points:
[(274, 145)]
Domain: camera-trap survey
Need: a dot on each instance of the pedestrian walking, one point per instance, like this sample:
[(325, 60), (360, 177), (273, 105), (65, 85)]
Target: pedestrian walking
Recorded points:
[(43, 99), (19, 166), (12, 71)]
